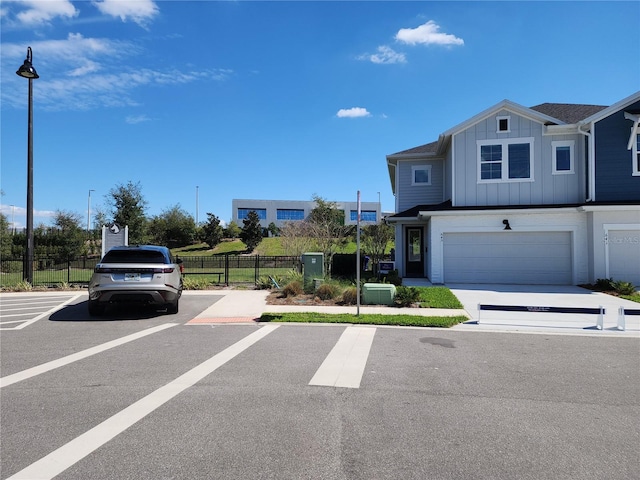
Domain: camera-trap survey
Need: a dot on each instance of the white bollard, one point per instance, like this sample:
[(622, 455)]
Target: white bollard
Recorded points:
[(600, 323), (621, 320)]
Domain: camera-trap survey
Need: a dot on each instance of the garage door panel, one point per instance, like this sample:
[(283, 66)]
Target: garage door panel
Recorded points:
[(508, 257)]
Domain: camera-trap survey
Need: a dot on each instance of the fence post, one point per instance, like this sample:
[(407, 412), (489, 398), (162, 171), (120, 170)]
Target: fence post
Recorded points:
[(68, 270), (226, 269), (256, 272)]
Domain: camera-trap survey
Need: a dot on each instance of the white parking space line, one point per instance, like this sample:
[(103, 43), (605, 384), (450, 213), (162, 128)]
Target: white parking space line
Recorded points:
[(344, 366), (74, 451), (46, 367), (55, 308)]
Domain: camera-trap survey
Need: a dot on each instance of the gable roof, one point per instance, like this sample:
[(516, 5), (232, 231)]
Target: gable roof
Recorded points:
[(624, 103)]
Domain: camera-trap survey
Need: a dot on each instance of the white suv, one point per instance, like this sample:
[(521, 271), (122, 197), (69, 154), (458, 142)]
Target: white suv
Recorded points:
[(145, 274)]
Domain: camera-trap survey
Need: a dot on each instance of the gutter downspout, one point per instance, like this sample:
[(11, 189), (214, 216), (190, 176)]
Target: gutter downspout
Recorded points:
[(591, 163)]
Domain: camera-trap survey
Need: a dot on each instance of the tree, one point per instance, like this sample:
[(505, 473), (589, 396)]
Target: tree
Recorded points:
[(68, 236), (212, 231), (5, 237), (129, 209), (251, 233), (232, 230), (375, 239), (296, 238), (173, 228), (327, 228), (273, 229)]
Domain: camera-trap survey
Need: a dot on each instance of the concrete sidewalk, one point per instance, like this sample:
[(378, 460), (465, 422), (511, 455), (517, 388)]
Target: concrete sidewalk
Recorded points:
[(249, 305), (240, 306)]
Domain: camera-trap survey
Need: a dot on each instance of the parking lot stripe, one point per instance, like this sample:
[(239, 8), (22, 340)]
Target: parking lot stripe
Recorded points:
[(46, 367), (344, 366), (44, 314), (74, 451)]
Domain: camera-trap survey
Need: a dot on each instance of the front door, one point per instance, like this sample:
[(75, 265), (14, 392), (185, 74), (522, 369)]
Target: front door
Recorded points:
[(414, 255)]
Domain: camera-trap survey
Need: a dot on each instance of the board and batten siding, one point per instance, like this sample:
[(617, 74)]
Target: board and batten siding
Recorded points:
[(614, 169), (544, 188), (411, 195)]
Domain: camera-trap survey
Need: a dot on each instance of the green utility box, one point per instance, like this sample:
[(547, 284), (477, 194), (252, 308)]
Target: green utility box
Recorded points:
[(312, 267), (378, 293)]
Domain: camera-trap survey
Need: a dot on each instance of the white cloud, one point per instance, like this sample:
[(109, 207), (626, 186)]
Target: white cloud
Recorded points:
[(39, 11), (140, 11), (84, 73), (355, 112), (384, 55), (134, 119), (427, 34)]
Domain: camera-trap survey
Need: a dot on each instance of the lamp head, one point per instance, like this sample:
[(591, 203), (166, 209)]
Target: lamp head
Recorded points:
[(27, 70)]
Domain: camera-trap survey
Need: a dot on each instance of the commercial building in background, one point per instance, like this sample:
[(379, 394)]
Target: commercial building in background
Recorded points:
[(282, 211)]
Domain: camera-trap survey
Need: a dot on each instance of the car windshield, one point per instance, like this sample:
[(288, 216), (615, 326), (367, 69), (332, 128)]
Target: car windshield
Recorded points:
[(131, 256)]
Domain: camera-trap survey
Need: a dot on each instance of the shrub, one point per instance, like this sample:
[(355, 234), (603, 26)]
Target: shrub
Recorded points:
[(406, 296), (624, 288), (23, 287), (392, 277), (292, 289), (195, 283), (604, 284), (327, 291), (265, 282), (350, 296)]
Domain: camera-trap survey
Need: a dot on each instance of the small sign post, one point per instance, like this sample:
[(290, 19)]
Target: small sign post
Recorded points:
[(114, 236)]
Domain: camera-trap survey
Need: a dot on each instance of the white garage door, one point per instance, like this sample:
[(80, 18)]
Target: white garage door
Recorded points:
[(624, 255), (533, 258)]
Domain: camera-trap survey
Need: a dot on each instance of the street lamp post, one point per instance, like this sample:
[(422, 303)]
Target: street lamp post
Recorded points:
[(89, 211), (27, 71), (197, 188), (13, 222)]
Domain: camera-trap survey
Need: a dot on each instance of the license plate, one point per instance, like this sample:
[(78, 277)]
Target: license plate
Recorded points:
[(131, 277)]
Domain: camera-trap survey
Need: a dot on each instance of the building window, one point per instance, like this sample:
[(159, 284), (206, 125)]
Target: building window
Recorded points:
[(506, 160), (636, 155), (562, 153), (421, 175), (503, 124), (243, 212), (290, 214), (365, 216)]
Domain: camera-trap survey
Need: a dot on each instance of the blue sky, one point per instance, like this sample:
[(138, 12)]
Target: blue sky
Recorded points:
[(277, 100)]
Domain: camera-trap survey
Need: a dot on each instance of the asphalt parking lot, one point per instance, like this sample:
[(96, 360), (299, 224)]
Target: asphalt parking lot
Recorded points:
[(142, 394)]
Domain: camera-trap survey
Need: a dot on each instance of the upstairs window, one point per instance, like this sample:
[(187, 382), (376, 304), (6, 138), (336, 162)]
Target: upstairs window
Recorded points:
[(506, 160), (421, 175), (243, 212), (290, 214), (503, 124), (562, 157), (365, 216)]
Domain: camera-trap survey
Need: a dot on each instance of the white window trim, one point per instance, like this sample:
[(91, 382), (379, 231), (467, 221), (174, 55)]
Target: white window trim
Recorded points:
[(505, 159), (503, 117), (563, 143), (634, 156), (413, 175)]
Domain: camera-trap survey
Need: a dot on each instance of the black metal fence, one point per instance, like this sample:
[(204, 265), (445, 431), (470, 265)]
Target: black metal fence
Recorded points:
[(219, 269)]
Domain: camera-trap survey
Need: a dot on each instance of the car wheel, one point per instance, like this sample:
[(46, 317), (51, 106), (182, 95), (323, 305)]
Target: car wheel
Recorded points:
[(173, 306), (95, 308)]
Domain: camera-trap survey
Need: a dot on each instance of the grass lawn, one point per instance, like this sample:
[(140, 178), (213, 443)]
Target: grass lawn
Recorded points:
[(367, 319), (438, 297)]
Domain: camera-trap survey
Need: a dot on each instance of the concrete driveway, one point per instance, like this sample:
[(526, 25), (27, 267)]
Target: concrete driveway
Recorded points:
[(544, 296)]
